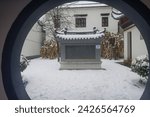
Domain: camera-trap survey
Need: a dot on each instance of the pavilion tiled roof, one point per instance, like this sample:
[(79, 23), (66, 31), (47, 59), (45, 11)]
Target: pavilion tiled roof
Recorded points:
[(77, 36)]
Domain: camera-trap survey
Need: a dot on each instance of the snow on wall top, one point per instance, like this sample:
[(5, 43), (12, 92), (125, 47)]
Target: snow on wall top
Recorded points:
[(80, 36), (78, 4)]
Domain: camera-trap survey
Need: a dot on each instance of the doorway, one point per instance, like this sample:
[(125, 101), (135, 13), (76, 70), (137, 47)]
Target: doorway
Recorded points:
[(129, 45)]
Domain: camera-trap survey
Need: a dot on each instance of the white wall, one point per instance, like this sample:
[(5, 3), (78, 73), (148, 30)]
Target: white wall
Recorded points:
[(138, 45), (33, 41), (94, 18)]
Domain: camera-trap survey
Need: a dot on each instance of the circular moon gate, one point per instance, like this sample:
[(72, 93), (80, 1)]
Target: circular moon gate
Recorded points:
[(137, 12)]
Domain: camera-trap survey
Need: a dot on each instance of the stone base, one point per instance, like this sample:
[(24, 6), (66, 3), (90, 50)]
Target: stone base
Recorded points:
[(80, 65)]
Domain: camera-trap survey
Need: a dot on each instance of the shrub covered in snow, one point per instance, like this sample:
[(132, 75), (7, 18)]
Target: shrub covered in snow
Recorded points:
[(24, 62), (25, 80), (49, 49), (140, 65)]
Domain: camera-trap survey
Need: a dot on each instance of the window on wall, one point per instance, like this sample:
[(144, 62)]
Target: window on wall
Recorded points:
[(104, 21), (80, 20)]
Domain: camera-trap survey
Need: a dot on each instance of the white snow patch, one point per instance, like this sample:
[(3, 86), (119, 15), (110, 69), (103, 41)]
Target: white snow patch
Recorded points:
[(46, 81)]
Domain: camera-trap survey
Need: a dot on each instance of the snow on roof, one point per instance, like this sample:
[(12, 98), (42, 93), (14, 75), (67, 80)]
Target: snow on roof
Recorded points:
[(79, 36), (78, 4), (116, 14)]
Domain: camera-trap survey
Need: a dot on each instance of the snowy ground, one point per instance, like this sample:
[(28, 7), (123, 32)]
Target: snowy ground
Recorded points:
[(46, 81)]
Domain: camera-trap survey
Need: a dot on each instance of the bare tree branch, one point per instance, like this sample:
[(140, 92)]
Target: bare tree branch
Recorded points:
[(56, 19)]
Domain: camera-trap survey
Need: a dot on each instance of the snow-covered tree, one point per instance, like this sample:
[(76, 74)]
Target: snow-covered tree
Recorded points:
[(55, 20)]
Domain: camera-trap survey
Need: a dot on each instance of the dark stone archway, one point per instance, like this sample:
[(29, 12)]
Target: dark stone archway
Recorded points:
[(137, 12)]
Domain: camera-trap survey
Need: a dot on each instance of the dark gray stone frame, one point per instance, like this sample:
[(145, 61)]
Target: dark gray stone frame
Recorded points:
[(79, 53), (79, 42), (136, 11)]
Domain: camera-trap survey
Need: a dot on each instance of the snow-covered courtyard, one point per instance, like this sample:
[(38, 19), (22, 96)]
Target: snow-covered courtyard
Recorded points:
[(115, 81)]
